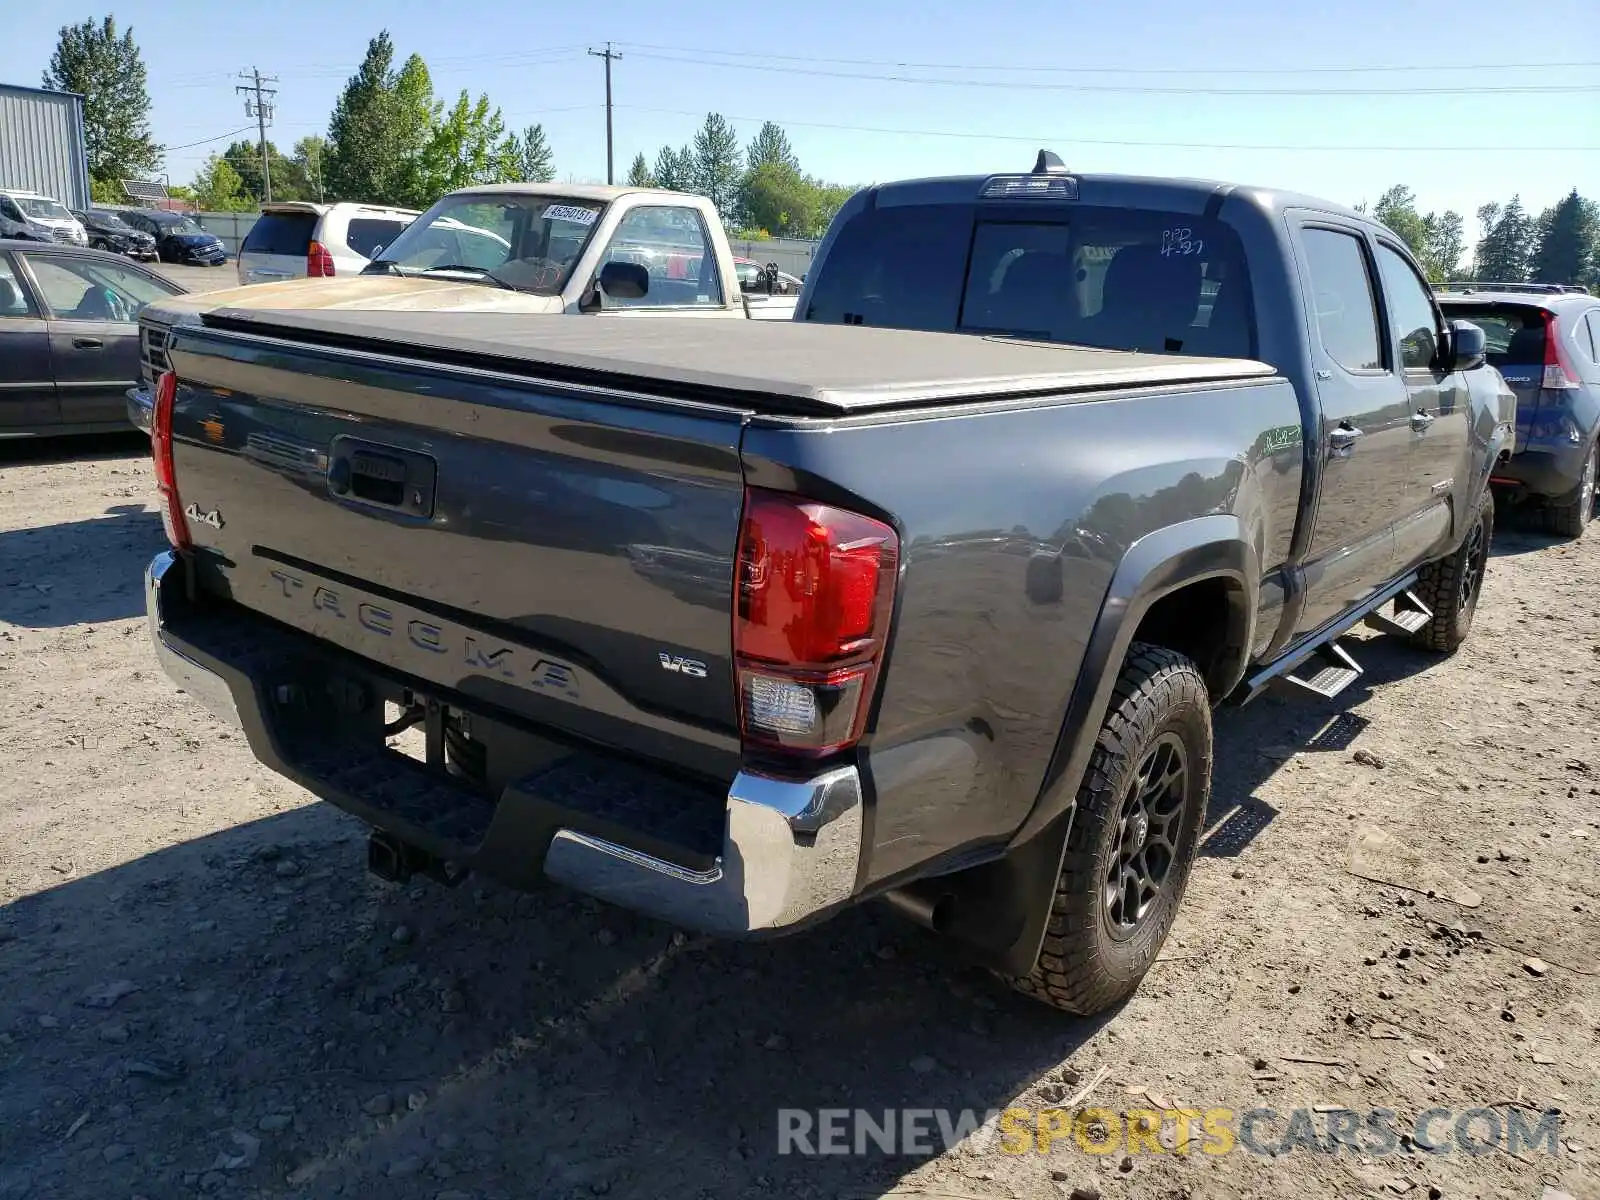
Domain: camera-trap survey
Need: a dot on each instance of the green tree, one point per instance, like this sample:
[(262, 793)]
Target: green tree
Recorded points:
[(1504, 251), (1397, 208), (464, 148), (718, 165), (527, 158), (779, 200), (674, 169), (771, 147), (218, 188), (288, 178), (1444, 241), (310, 155), (108, 71), (639, 173), (415, 117), (1565, 252), (830, 199), (381, 131)]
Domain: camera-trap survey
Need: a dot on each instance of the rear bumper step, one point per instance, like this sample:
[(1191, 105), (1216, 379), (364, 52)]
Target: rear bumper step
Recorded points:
[(769, 854)]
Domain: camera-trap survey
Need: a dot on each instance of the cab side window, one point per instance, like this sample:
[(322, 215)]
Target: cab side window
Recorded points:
[(671, 244), (1342, 299), (1412, 316)]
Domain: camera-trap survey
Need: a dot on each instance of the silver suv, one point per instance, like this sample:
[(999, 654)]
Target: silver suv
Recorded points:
[(297, 239)]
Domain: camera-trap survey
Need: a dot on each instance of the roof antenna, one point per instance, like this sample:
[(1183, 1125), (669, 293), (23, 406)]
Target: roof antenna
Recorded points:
[(1049, 163)]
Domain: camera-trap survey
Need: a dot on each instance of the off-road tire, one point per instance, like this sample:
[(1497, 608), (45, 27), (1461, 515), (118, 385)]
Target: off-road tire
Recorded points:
[(1440, 585), (1571, 518), (1082, 968)]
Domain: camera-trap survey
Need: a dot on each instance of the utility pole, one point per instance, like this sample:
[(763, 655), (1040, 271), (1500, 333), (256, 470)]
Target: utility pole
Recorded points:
[(261, 109), (608, 54)]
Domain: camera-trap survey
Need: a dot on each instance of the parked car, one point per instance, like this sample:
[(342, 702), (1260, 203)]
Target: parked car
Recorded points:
[(737, 625), (44, 212), (108, 231), (69, 337), (19, 228), (298, 239), (178, 237), (1546, 342)]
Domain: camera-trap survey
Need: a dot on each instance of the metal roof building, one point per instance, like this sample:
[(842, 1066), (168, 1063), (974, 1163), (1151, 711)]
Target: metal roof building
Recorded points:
[(41, 144)]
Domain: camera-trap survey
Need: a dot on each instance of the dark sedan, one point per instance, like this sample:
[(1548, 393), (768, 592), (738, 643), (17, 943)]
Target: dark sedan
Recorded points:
[(108, 231), (69, 337), (179, 238)]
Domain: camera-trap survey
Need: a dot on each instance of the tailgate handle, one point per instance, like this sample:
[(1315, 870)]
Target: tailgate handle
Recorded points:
[(382, 476)]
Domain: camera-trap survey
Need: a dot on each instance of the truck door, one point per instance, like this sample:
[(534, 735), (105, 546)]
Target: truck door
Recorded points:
[(1440, 414), (1365, 438)]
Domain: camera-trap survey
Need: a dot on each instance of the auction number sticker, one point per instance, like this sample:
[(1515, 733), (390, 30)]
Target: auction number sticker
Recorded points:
[(572, 213), (1181, 241)]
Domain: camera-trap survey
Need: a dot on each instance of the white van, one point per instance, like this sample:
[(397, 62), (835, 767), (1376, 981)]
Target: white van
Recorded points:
[(44, 211), (297, 239)]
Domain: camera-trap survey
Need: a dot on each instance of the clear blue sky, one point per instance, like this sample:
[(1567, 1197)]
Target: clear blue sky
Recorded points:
[(530, 59)]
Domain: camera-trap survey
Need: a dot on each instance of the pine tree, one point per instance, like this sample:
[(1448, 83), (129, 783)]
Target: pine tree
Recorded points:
[(1504, 251), (718, 164), (1566, 246), (770, 147), (639, 173), (109, 73), (528, 158), (381, 131), (671, 171)]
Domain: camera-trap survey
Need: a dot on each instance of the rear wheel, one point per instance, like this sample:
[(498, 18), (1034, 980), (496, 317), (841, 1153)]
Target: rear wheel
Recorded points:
[(1132, 839), (1451, 586), (1573, 517)]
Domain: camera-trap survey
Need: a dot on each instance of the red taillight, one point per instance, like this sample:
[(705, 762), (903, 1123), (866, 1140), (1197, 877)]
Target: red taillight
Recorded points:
[(172, 518), (815, 590), (319, 262), (1558, 373)]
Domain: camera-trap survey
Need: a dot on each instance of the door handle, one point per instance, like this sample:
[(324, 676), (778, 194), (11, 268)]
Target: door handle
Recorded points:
[(87, 343), (1343, 438), (1421, 420)]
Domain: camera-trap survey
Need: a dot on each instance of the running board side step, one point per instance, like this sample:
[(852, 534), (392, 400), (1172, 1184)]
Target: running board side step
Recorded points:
[(1335, 669), (1408, 615)]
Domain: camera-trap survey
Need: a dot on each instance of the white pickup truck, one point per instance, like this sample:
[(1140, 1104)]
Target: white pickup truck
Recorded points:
[(532, 248)]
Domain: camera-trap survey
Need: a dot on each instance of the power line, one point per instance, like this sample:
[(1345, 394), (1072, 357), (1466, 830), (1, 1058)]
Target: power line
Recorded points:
[(1081, 69), (1071, 139), (609, 55), (209, 140), (1140, 89)]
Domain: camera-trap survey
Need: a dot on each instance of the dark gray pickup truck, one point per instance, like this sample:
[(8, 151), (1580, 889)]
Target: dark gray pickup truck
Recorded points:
[(739, 623)]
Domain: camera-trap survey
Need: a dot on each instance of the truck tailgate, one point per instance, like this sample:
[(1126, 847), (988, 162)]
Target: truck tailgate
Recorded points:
[(563, 556)]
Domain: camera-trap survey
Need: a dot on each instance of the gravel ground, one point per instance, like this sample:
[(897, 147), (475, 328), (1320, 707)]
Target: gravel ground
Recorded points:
[(203, 993), (201, 279)]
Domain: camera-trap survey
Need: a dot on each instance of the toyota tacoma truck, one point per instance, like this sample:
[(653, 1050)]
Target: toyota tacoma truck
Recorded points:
[(537, 249), (738, 624)]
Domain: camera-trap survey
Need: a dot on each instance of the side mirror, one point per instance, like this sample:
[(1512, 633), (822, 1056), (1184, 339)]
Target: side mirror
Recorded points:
[(1468, 346), (624, 281)]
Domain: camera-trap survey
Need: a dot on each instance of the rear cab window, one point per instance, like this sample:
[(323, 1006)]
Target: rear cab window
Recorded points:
[(281, 233), (1118, 278)]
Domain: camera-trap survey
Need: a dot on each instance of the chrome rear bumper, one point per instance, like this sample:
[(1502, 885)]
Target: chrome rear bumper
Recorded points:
[(790, 850)]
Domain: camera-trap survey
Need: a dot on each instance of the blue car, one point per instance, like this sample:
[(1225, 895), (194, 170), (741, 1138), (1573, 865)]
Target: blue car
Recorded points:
[(179, 238), (1545, 340)]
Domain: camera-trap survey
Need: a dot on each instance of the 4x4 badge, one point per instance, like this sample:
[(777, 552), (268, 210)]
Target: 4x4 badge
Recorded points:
[(212, 518)]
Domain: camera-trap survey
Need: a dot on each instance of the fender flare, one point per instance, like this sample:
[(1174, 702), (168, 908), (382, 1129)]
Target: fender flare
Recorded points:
[(1001, 908), (1158, 564)]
